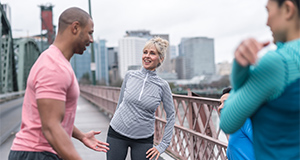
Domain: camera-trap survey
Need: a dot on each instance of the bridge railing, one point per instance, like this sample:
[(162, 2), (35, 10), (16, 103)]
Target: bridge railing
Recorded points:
[(11, 95), (196, 134)]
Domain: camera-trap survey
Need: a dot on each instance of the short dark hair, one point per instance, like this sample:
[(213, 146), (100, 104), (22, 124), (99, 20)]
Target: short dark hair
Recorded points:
[(71, 15), (296, 2), (226, 90)]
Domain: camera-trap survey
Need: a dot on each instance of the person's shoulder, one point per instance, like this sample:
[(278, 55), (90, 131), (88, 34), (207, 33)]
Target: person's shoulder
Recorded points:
[(272, 56), (164, 84), (130, 72), (271, 59)]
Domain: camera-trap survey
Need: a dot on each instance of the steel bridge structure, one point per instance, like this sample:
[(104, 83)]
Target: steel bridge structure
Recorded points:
[(16, 57)]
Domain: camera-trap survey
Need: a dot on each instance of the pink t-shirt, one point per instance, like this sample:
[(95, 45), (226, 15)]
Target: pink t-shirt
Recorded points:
[(51, 77)]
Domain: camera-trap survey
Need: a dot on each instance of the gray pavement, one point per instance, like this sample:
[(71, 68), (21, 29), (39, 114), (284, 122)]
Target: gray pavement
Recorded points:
[(88, 117)]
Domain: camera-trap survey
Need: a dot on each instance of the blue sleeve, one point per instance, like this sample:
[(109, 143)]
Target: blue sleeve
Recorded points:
[(264, 81), (247, 129), (168, 105)]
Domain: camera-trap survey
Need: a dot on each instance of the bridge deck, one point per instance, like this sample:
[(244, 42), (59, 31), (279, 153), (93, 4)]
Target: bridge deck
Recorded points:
[(88, 117)]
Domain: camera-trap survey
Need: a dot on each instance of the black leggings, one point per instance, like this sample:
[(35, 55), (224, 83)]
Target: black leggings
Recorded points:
[(118, 147)]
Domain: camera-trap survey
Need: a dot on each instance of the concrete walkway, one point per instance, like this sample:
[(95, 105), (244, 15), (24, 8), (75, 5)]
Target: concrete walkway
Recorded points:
[(88, 117)]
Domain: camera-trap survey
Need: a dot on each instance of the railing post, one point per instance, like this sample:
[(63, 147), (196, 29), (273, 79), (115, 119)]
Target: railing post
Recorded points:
[(191, 118)]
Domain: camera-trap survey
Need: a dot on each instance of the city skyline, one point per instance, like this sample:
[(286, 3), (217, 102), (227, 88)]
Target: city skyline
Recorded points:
[(228, 22)]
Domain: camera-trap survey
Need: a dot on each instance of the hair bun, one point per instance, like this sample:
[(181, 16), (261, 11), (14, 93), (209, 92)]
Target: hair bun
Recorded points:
[(161, 45)]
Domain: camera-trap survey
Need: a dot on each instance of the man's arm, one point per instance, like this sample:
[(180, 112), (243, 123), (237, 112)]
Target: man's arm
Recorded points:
[(52, 114)]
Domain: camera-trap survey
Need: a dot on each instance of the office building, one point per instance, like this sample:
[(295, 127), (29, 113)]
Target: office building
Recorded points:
[(82, 66), (196, 57), (113, 65), (101, 60), (130, 53), (224, 68)]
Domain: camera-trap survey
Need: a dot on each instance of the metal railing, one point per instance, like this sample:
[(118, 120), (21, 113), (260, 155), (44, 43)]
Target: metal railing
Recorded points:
[(11, 95), (196, 134)]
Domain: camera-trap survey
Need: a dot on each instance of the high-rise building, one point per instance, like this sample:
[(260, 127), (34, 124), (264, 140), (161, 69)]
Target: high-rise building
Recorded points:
[(112, 53), (198, 58), (224, 68), (101, 60), (178, 64), (130, 53), (82, 65), (113, 66), (173, 52), (139, 33)]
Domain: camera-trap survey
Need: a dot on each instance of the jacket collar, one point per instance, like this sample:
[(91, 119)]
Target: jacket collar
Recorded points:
[(145, 71)]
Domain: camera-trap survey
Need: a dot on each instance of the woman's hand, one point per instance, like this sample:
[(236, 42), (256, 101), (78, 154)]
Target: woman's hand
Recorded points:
[(153, 152), (246, 53)]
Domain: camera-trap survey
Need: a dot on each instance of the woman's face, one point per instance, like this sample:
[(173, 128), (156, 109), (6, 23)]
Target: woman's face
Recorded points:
[(150, 58), (276, 20)]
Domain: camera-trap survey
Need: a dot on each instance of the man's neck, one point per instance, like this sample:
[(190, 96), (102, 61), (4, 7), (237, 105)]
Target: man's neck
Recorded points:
[(64, 48)]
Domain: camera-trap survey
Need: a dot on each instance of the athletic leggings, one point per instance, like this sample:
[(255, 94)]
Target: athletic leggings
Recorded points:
[(118, 146)]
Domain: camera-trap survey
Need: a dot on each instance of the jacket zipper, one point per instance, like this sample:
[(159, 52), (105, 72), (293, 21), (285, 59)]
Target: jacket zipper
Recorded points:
[(143, 87)]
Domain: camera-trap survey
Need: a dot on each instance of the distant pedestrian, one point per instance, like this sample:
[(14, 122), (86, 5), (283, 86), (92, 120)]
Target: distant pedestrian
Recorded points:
[(240, 143), (268, 90), (133, 122), (51, 95)]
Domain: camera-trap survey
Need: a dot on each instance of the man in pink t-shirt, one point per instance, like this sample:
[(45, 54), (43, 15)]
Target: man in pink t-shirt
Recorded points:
[(51, 95)]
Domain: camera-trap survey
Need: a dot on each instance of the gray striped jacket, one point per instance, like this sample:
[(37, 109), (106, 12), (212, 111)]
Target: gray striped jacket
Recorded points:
[(141, 93)]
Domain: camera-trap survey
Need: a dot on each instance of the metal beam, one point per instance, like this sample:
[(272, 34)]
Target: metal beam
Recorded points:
[(8, 76)]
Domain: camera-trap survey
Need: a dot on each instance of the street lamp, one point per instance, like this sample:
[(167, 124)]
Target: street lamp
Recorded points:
[(93, 65)]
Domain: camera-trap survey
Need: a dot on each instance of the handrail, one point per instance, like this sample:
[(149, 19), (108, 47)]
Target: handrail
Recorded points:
[(11, 95)]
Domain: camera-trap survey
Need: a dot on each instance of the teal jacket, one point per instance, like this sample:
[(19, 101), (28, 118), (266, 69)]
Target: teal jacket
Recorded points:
[(255, 85)]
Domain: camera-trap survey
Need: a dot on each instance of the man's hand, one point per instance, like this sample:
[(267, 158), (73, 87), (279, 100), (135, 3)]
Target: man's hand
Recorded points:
[(153, 152), (246, 53), (90, 141)]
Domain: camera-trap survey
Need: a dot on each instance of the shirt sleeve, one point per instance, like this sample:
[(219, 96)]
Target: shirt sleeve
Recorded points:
[(168, 105), (123, 89), (238, 75), (264, 80), (52, 82), (247, 129)]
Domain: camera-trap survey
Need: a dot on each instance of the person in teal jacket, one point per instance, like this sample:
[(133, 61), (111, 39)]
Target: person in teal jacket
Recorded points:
[(268, 89)]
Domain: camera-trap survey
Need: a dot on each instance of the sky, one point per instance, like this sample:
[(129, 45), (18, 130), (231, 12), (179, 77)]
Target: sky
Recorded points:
[(228, 22)]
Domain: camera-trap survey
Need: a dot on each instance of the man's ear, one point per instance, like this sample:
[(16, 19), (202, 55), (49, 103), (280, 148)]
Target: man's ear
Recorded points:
[(289, 9), (75, 27)]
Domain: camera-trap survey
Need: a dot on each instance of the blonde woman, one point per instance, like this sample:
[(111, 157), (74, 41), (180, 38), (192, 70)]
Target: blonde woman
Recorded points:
[(141, 93)]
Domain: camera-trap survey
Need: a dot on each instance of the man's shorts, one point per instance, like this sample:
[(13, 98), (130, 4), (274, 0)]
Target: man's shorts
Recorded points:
[(24, 155)]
